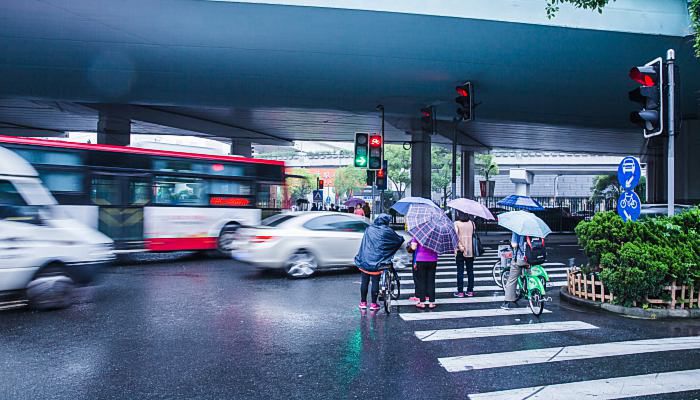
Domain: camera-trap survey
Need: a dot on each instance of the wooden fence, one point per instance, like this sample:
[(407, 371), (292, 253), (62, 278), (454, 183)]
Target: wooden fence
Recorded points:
[(591, 288)]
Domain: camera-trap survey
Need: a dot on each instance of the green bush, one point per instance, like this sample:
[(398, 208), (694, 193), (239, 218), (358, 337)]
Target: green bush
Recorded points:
[(637, 259)]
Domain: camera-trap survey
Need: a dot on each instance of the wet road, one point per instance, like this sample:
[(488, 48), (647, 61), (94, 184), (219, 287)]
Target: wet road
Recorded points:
[(212, 329)]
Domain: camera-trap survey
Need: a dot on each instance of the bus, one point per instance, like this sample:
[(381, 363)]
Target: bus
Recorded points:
[(156, 200)]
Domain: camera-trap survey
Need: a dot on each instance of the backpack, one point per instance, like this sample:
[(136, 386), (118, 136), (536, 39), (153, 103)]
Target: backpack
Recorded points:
[(535, 252)]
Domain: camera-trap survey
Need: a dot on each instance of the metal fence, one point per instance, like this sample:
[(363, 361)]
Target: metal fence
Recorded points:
[(562, 214)]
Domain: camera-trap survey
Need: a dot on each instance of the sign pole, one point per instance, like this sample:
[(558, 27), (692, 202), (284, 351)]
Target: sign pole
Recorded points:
[(373, 211), (671, 167)]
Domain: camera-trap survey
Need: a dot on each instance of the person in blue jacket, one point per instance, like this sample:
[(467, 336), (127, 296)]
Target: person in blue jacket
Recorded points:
[(379, 244)]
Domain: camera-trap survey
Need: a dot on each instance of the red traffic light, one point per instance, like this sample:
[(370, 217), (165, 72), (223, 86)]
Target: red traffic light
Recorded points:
[(462, 91), (645, 75), (380, 173), (375, 141), (320, 184), (425, 112)]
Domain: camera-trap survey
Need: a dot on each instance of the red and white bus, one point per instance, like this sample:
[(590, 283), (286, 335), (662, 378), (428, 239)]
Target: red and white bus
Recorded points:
[(156, 200)]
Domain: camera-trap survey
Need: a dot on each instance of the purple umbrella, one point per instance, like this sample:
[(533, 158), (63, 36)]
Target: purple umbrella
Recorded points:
[(471, 207), (431, 228), (353, 202)]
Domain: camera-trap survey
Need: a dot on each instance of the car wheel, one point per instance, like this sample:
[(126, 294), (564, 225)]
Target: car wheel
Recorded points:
[(50, 291), (227, 238), (302, 264)]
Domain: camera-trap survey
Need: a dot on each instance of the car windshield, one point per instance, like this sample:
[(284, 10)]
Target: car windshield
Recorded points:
[(276, 220)]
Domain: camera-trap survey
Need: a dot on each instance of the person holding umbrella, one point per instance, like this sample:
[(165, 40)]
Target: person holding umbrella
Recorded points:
[(521, 224)]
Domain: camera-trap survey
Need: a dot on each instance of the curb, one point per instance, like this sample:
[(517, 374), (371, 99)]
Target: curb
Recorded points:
[(629, 311)]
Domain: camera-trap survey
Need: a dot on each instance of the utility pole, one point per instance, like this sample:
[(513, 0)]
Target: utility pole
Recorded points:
[(454, 162), (381, 192), (670, 58)]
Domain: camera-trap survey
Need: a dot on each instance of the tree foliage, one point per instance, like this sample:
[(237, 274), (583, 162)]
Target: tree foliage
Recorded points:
[(441, 174), (299, 188), (349, 180), (487, 165), (399, 163), (607, 186)]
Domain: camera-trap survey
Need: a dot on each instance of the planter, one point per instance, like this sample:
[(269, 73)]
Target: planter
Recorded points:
[(589, 288), (487, 188)]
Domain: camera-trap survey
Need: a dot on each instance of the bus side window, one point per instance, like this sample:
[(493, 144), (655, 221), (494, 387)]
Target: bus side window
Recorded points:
[(180, 191)]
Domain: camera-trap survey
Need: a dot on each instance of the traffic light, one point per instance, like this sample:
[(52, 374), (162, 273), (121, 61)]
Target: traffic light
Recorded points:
[(320, 184), (426, 118), (370, 178), (376, 150), (650, 96), (361, 149), (382, 177), (465, 101)]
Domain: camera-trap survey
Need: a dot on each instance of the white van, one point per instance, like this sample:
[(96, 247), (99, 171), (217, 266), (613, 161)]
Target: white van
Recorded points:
[(43, 255)]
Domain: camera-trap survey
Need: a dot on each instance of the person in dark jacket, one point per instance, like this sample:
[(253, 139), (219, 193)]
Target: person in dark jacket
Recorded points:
[(379, 244)]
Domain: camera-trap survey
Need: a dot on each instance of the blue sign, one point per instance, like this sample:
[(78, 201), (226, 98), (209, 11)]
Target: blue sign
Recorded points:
[(629, 206), (628, 173), (318, 196)]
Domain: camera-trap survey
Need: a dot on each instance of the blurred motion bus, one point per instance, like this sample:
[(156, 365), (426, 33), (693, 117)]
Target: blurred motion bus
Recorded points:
[(156, 200)]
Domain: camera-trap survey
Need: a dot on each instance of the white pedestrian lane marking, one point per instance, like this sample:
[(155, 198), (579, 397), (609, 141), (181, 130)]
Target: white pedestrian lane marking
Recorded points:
[(457, 300), (604, 389), (495, 312), (569, 353), (476, 272), (500, 330), (480, 288), (476, 279)]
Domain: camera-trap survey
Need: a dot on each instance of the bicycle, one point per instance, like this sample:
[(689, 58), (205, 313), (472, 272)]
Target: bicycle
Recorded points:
[(389, 287), (532, 284), (505, 252)]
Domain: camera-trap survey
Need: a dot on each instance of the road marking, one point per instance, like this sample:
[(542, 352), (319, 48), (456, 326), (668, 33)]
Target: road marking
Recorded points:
[(491, 312), (476, 272), (482, 288), (476, 279), (570, 353), (500, 330), (604, 389), (457, 300)]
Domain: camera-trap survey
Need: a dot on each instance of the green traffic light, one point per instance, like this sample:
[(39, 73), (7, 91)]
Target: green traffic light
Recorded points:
[(360, 162)]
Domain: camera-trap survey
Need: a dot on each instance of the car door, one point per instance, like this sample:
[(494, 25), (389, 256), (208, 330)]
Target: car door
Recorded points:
[(353, 229), (331, 240)]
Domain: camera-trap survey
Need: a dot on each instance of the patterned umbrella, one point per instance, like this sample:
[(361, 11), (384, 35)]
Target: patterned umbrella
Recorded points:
[(521, 202), (431, 228)]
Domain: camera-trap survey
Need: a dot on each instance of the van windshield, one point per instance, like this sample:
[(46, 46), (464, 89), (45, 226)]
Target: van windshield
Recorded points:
[(34, 193)]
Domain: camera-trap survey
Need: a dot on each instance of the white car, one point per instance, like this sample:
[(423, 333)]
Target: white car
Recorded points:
[(302, 242), (43, 255)]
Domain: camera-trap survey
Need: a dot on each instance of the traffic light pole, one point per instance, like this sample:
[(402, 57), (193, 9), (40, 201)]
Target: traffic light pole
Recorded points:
[(454, 162), (671, 167)]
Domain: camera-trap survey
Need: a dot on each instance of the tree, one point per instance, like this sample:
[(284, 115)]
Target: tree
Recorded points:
[(487, 165), (552, 8), (399, 160), (299, 188), (349, 180), (607, 186), (441, 174)]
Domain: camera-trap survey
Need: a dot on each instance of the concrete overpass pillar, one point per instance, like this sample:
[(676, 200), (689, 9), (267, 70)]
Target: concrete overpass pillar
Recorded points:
[(522, 179), (113, 130), (420, 165), (241, 148), (468, 174)]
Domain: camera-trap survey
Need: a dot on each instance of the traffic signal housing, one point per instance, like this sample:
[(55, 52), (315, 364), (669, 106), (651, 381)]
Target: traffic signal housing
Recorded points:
[(382, 176), (465, 102), (361, 150), (427, 119), (376, 152), (320, 184), (650, 95)]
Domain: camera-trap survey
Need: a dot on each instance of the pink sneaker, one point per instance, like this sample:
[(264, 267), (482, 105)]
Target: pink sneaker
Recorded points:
[(363, 305), (469, 294), (374, 307), (414, 298)]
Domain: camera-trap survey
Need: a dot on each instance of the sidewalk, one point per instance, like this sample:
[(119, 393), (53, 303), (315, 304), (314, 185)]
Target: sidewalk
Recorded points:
[(493, 238)]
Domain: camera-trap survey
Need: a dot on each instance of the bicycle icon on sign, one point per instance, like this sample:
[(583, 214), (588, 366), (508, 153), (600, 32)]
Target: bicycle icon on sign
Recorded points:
[(628, 200)]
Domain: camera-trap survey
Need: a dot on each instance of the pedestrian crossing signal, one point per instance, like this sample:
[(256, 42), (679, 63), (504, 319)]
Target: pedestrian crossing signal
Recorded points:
[(650, 96), (376, 150), (465, 101)]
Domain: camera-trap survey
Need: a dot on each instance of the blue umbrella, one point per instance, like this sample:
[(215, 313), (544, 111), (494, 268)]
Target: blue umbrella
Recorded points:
[(524, 223), (431, 228), (521, 202), (402, 206)]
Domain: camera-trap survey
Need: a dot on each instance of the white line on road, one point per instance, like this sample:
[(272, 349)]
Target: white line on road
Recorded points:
[(476, 272), (500, 330), (604, 389), (457, 300), (481, 288), (570, 353), (495, 312), (476, 279)]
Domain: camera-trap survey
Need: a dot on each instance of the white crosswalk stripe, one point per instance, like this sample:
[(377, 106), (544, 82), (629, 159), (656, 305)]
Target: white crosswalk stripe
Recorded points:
[(604, 389), (458, 300), (495, 312), (501, 330), (480, 288), (476, 279), (476, 272), (569, 353)]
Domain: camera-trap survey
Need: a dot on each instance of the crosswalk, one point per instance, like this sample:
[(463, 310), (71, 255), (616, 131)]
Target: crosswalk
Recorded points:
[(469, 319)]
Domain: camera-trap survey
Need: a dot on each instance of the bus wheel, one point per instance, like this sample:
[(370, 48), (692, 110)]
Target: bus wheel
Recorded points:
[(50, 290), (227, 239)]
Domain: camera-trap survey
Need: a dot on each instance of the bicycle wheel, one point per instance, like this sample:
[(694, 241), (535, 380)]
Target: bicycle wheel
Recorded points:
[(387, 302), (395, 287), (536, 302), (496, 273)]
